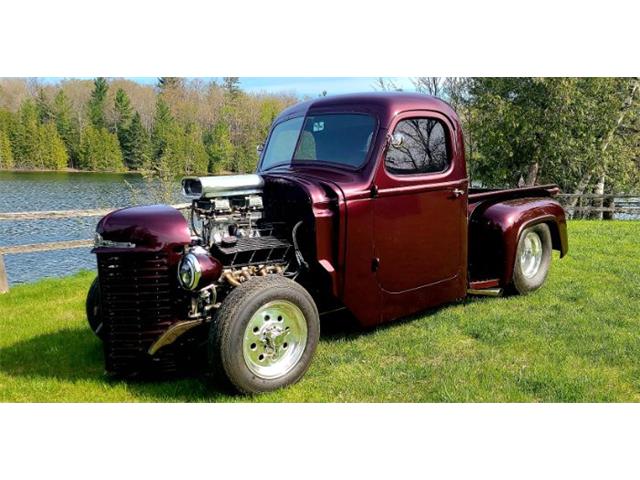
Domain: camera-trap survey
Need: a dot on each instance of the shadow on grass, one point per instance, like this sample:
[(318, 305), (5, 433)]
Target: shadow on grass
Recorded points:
[(76, 355), (342, 325)]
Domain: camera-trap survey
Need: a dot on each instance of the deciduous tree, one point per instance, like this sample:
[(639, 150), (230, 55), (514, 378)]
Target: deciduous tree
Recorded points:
[(231, 85), (168, 83), (219, 148)]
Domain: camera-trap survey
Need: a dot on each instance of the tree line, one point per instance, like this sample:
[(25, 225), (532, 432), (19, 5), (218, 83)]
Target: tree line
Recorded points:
[(581, 133), (176, 127)]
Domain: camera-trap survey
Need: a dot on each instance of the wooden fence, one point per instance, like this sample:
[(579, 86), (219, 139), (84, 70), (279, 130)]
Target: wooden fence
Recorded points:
[(586, 206), (44, 247), (605, 206)]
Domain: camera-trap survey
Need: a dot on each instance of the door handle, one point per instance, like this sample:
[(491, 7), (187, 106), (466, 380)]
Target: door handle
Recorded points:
[(375, 264), (457, 192)]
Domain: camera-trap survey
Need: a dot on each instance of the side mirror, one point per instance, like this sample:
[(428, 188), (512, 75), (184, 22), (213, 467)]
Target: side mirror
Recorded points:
[(397, 140), (259, 148)]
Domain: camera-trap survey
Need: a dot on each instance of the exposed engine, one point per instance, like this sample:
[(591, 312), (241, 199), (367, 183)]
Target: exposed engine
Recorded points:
[(227, 215), (222, 221)]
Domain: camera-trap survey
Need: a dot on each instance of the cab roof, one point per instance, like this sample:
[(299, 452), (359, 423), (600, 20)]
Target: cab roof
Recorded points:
[(385, 104)]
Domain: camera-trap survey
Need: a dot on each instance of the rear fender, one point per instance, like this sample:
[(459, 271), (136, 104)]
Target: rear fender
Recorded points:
[(495, 228)]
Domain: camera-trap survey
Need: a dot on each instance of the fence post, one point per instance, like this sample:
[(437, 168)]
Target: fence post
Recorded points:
[(4, 281), (609, 202), (581, 205)]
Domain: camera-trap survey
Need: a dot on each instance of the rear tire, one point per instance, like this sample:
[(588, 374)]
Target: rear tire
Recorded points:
[(533, 259), (264, 335), (94, 314)]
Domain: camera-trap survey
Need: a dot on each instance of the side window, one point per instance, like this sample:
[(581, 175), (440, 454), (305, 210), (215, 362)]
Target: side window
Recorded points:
[(418, 145)]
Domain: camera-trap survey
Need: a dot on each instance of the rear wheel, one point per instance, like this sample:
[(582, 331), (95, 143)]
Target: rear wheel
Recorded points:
[(264, 335), (533, 259), (94, 315)]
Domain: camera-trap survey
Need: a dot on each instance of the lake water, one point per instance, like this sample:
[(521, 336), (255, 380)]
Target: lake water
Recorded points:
[(32, 191)]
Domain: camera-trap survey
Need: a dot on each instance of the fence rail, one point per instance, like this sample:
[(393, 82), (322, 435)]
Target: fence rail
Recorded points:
[(51, 214), (596, 196), (605, 206), (49, 246), (588, 205)]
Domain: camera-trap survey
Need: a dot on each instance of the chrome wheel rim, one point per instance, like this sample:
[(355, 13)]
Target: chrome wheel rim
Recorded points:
[(531, 254), (275, 339)]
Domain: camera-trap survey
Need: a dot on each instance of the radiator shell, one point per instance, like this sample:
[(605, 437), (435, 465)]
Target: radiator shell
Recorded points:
[(140, 299), (140, 295)]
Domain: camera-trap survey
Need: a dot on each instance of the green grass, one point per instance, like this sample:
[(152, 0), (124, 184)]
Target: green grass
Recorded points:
[(575, 340)]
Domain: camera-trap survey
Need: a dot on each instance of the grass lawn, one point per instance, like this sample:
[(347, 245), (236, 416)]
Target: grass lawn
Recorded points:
[(575, 340)]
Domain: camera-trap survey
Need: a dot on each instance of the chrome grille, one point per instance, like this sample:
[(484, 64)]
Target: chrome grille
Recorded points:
[(139, 302)]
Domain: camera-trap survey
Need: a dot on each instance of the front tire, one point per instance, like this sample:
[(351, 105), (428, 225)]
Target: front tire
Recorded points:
[(264, 335), (94, 314), (533, 259)]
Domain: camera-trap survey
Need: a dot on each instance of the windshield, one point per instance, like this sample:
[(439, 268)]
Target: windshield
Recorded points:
[(331, 138)]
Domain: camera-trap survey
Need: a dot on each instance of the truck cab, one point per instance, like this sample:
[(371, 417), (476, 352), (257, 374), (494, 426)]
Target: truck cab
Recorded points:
[(360, 202), (395, 166)]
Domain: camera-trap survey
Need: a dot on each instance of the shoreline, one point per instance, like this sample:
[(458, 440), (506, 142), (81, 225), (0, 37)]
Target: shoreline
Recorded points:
[(67, 170)]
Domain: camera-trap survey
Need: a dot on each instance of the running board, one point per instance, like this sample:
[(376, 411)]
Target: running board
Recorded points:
[(491, 292)]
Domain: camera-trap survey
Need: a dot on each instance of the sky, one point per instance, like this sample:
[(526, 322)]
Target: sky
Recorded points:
[(302, 86)]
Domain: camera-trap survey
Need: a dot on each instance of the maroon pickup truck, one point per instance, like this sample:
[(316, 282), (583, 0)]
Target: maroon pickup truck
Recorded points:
[(359, 202)]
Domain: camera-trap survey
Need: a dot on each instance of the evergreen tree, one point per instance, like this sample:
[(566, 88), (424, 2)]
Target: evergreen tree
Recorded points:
[(9, 125), (163, 126), (51, 152), (123, 109), (26, 137), (6, 154), (88, 146), (45, 113), (97, 102), (135, 149), (67, 126), (123, 112), (37, 145), (112, 160), (100, 150), (172, 143)]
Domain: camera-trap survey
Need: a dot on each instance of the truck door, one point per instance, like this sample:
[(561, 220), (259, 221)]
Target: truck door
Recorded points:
[(420, 215)]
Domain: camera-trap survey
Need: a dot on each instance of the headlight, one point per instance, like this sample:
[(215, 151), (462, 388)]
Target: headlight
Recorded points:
[(189, 271), (197, 269)]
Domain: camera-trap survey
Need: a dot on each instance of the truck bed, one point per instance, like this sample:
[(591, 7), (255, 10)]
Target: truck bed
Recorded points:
[(479, 195)]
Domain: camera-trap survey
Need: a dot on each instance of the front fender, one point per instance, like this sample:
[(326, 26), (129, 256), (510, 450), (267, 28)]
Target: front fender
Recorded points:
[(150, 228), (494, 231)]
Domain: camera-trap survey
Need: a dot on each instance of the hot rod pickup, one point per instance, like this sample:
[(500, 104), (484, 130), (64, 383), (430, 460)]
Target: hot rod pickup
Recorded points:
[(359, 202)]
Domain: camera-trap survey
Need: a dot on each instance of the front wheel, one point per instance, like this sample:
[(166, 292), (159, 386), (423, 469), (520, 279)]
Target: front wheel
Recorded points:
[(264, 335), (92, 305), (533, 259)]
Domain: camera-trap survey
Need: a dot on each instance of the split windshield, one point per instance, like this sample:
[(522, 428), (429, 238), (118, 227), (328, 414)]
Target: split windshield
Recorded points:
[(342, 139)]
